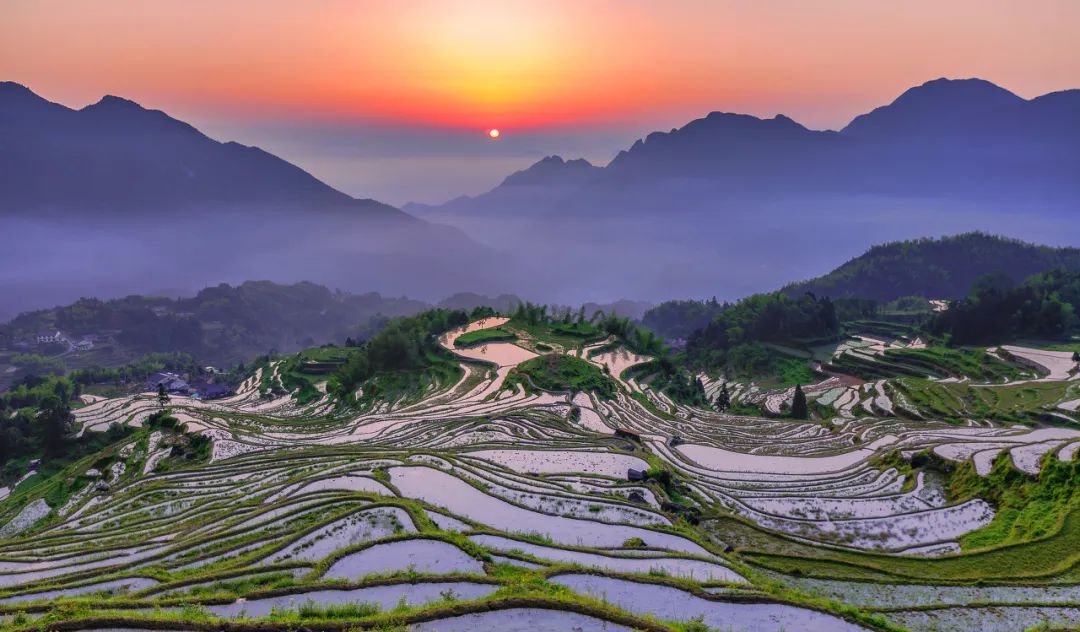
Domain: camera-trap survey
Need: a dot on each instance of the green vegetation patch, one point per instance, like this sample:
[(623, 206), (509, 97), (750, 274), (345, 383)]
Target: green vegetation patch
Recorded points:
[(664, 375), (481, 336), (1027, 507), (558, 372), (1029, 402), (975, 363), (1034, 536), (404, 356)]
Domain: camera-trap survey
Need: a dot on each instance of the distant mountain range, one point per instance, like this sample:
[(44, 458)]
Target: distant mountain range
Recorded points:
[(730, 204), (114, 199), (966, 136), (936, 268)]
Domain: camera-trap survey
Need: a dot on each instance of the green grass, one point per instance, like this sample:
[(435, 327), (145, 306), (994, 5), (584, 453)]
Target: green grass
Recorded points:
[(481, 336), (1039, 559), (1028, 508), (566, 335), (1007, 403), (329, 354), (559, 372), (792, 371), (52, 480), (580, 330), (975, 363), (1035, 534), (885, 328)]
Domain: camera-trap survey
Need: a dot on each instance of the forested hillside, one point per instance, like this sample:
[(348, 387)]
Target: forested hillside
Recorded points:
[(220, 325), (1044, 306), (734, 339), (936, 268)]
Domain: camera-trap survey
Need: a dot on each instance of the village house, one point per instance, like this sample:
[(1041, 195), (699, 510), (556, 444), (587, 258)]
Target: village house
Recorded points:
[(49, 337), (206, 390), (172, 382)]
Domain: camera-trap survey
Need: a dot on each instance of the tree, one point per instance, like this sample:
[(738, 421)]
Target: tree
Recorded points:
[(162, 395), (723, 398), (1076, 356), (799, 409), (54, 420)]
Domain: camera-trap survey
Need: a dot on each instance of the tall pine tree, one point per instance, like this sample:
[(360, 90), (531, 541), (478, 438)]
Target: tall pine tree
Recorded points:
[(799, 409), (723, 398)]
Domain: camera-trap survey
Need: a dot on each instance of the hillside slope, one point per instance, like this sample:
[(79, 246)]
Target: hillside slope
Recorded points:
[(701, 203), (936, 268), (221, 325), (155, 204)]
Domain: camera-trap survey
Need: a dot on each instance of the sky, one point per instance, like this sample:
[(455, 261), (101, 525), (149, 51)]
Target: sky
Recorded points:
[(393, 99)]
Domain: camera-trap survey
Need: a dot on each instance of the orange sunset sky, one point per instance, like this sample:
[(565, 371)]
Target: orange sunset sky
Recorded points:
[(370, 95)]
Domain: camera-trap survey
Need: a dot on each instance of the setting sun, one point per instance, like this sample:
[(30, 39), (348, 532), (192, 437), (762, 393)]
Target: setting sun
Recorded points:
[(493, 133)]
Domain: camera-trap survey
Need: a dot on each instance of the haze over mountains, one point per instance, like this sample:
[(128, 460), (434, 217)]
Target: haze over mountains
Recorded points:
[(114, 199), (737, 204), (945, 137)]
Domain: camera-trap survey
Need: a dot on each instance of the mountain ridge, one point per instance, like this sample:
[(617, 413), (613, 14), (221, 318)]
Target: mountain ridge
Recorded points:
[(153, 202), (941, 106), (941, 268), (117, 142)]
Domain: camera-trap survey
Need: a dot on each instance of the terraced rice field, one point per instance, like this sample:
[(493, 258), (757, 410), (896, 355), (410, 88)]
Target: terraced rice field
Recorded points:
[(474, 506)]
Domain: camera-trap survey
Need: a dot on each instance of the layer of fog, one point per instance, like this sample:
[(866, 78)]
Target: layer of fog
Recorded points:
[(639, 249)]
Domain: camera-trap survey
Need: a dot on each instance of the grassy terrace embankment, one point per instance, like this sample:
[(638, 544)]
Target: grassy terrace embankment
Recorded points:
[(558, 372), (481, 336)]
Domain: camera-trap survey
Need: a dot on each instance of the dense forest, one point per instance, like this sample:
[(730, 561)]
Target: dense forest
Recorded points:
[(935, 268), (996, 310), (679, 319), (733, 339), (35, 421), (409, 344), (220, 325)]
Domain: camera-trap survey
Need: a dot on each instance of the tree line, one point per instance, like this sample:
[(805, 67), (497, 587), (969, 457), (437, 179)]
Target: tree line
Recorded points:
[(732, 339), (408, 343), (1044, 306), (35, 417)]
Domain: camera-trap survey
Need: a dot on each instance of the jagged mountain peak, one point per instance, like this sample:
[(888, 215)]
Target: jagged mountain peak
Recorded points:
[(552, 170)]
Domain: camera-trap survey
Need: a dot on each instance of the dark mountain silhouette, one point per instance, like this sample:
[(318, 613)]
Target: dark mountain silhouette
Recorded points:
[(726, 146), (542, 183), (114, 198), (939, 107), (553, 170), (730, 204), (967, 137), (942, 268), (117, 155)]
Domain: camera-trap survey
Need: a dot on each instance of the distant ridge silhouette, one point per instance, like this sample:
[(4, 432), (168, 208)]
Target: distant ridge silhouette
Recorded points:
[(118, 155), (116, 198), (956, 137)]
